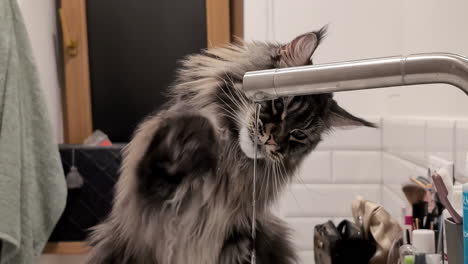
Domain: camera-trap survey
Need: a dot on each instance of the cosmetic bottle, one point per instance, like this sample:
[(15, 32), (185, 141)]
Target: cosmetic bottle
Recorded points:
[(406, 251), (424, 241), (465, 223)]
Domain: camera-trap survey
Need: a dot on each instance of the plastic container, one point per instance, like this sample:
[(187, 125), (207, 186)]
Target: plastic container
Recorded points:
[(406, 251), (424, 241), (465, 223)]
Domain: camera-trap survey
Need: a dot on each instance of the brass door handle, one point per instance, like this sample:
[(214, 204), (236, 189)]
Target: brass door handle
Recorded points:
[(70, 45)]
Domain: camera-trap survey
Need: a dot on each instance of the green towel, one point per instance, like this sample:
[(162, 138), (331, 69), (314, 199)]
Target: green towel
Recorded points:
[(32, 182)]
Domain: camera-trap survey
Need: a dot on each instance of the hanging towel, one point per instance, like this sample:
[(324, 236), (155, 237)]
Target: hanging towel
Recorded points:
[(32, 182)]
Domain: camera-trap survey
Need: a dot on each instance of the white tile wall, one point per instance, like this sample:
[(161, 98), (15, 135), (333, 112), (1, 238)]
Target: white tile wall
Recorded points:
[(405, 137), (393, 203), (303, 230), (461, 147), (329, 200), (416, 140), (306, 257), (360, 138), (396, 171), (440, 139), (357, 167), (316, 168)]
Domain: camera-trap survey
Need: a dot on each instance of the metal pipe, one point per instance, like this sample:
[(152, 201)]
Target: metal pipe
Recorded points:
[(358, 75)]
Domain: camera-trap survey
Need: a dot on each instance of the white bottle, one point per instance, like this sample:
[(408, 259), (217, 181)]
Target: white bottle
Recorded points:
[(424, 241)]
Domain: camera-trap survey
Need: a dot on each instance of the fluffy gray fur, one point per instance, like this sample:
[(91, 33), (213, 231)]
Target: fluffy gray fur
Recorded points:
[(185, 190)]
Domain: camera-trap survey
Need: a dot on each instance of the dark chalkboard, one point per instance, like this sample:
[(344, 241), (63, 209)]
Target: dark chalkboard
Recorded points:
[(134, 46)]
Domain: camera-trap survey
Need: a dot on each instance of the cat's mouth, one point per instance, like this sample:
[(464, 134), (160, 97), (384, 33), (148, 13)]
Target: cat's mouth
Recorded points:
[(249, 145), (261, 149)]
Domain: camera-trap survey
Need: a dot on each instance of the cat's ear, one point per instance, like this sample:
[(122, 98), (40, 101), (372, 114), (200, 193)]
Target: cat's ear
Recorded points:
[(299, 51), (341, 118)]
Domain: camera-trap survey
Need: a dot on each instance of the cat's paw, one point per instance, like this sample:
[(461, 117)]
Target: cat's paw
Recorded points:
[(184, 145), (188, 145)]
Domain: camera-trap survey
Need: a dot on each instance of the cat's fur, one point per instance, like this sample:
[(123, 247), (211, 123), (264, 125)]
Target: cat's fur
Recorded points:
[(185, 190)]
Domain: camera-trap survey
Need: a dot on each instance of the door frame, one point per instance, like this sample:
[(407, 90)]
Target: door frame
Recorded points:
[(224, 20)]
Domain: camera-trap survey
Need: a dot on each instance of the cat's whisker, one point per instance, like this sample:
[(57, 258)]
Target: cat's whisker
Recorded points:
[(282, 175), (225, 103), (261, 192), (301, 180), (242, 100), (235, 117), (292, 194), (274, 179), (231, 96), (268, 181), (232, 111), (234, 86), (267, 178), (242, 97), (285, 178), (280, 179)]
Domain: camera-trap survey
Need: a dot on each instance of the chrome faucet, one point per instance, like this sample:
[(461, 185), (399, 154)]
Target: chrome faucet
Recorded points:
[(358, 75)]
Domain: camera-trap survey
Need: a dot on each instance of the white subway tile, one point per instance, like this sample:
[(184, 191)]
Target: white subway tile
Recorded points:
[(276, 209), (440, 139), (396, 172), (360, 138), (325, 200), (338, 220), (356, 167), (405, 137), (316, 168), (461, 151), (393, 203), (306, 257), (303, 230)]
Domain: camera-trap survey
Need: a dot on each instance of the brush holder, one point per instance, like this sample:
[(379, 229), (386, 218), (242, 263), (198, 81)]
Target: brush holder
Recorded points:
[(454, 238)]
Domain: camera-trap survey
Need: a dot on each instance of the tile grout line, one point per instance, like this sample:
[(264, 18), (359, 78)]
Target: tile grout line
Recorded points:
[(332, 166), (381, 158)]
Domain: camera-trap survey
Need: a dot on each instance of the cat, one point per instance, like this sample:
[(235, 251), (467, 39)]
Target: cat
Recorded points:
[(185, 190)]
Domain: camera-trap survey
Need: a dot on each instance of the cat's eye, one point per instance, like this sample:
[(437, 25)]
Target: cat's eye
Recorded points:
[(278, 105), (299, 135)]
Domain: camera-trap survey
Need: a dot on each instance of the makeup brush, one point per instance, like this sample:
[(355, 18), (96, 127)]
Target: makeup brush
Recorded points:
[(419, 182), (414, 193)]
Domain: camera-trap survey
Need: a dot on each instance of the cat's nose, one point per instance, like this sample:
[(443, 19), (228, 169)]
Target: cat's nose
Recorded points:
[(271, 141)]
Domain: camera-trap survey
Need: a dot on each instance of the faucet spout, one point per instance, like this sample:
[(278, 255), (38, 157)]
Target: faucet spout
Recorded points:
[(375, 73)]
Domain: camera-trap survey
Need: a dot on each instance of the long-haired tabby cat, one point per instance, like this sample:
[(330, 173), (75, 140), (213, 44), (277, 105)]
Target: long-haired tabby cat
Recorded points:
[(185, 190)]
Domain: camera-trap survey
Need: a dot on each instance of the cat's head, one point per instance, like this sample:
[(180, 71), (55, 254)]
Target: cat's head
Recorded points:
[(291, 127)]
